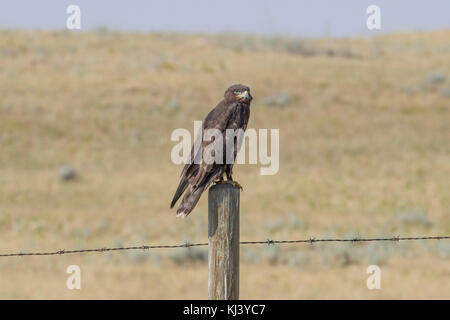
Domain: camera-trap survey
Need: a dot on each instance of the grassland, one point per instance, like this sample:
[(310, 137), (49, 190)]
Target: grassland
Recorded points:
[(364, 150)]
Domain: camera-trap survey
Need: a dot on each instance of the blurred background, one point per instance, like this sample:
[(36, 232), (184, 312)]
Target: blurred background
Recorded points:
[(85, 123)]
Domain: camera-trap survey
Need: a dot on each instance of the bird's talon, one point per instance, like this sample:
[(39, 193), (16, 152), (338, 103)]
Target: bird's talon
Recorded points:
[(233, 183), (236, 184)]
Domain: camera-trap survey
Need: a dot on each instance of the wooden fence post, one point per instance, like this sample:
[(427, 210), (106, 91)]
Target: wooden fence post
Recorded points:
[(223, 242)]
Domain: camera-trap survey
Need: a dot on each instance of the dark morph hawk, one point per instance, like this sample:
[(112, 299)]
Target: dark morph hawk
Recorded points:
[(232, 112)]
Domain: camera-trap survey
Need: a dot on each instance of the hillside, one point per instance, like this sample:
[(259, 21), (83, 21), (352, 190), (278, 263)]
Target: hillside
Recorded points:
[(364, 150)]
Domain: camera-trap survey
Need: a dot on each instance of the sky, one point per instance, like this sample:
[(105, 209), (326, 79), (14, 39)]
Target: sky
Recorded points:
[(313, 18)]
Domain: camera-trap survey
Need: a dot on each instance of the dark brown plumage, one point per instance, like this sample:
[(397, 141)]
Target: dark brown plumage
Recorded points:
[(232, 112)]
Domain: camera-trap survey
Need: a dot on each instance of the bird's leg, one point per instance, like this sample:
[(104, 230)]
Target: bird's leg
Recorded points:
[(230, 180), (219, 180)]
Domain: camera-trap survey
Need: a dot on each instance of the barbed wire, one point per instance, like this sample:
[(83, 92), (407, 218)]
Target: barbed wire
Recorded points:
[(188, 245)]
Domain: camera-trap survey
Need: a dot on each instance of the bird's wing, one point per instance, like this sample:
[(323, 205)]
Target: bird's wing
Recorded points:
[(194, 173), (217, 119)]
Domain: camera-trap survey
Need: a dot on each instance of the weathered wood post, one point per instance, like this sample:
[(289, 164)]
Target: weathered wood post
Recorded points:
[(223, 240)]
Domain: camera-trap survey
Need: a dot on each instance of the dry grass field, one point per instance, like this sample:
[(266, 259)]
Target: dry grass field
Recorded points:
[(364, 151)]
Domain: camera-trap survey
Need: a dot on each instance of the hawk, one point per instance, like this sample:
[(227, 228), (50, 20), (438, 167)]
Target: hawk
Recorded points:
[(233, 113)]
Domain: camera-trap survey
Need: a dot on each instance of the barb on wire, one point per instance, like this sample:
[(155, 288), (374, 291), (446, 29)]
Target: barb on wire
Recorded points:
[(187, 245)]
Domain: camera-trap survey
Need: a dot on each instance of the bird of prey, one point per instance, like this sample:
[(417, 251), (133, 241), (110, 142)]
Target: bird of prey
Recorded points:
[(233, 113)]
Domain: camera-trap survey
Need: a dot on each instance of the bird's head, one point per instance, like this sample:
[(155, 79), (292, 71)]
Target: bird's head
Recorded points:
[(238, 93)]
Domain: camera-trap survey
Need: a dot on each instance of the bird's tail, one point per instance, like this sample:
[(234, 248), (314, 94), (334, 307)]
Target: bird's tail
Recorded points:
[(189, 201), (181, 187)]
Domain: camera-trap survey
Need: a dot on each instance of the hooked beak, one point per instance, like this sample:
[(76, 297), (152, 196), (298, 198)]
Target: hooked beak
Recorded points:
[(245, 95)]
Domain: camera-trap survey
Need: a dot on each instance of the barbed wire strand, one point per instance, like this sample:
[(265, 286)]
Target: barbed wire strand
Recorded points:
[(188, 245)]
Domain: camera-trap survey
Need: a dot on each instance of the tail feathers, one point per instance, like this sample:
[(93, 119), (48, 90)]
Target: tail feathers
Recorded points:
[(192, 194), (181, 187), (189, 201)]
